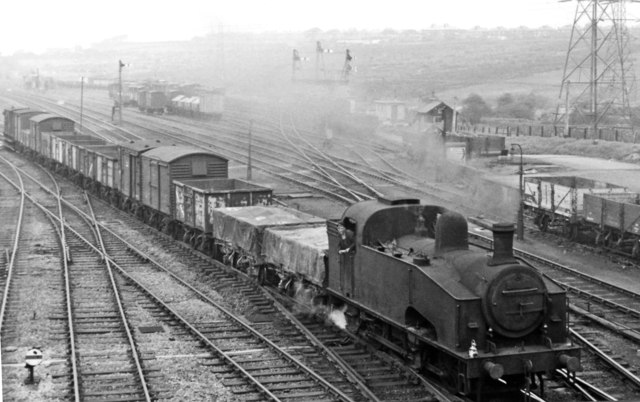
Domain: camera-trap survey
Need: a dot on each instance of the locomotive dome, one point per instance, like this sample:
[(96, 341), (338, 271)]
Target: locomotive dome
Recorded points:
[(451, 233)]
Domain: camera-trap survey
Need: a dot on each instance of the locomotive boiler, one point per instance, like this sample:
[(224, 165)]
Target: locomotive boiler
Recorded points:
[(413, 283)]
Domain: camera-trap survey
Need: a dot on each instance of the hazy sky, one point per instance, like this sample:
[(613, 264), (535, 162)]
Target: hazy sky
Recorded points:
[(40, 24)]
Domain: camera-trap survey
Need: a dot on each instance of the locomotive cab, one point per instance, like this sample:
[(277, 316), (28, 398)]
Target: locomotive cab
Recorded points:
[(413, 283)]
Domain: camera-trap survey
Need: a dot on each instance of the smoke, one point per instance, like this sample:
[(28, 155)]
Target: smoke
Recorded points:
[(309, 303), (337, 317)]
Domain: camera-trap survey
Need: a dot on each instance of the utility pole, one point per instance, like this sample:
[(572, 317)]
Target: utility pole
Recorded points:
[(296, 64), (320, 60), (567, 113), (81, 101), (120, 65), (346, 70), (249, 151), (520, 225)]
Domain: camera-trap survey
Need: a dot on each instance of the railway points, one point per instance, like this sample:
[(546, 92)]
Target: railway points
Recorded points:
[(343, 162)]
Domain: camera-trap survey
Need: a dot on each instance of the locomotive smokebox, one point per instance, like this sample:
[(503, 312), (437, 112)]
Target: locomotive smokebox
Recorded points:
[(502, 244)]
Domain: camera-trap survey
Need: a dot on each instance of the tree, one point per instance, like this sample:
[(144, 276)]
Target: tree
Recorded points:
[(475, 108)]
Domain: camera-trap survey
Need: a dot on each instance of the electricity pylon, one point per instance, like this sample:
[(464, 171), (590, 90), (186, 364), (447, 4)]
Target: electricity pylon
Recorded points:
[(598, 77)]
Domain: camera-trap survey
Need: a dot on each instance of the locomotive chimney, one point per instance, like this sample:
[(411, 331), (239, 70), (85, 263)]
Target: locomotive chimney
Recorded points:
[(503, 244), (451, 233)]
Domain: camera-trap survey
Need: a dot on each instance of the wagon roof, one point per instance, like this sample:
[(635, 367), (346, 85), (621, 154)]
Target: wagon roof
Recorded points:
[(42, 117), (27, 110), (139, 146), (172, 152)]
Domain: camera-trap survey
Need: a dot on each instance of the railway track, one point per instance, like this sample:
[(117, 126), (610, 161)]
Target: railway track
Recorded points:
[(268, 370), (257, 309), (271, 146), (101, 347), (607, 319)]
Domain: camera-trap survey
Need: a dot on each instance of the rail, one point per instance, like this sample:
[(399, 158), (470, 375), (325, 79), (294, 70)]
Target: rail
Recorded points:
[(116, 293), (14, 250)]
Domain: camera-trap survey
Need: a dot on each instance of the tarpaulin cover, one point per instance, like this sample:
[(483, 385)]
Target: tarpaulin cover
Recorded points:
[(298, 250), (244, 226)]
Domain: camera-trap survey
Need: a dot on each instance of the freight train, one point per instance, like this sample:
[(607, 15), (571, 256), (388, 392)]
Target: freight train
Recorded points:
[(608, 214), (402, 272), (162, 97)]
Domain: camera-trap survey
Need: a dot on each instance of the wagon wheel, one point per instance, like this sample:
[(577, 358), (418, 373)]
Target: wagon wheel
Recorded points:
[(262, 275), (543, 223), (635, 252), (571, 231)]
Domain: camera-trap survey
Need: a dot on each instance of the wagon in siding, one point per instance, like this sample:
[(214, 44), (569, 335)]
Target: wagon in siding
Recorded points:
[(211, 103), (44, 126), (130, 174), (559, 201), (197, 198), (152, 101), (616, 220), (164, 164)]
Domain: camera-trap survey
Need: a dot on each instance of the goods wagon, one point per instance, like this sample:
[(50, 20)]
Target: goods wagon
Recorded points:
[(559, 201), (162, 165), (212, 103), (616, 220), (17, 126), (241, 229), (43, 126), (9, 129), (129, 155), (101, 166), (152, 101), (196, 198), (70, 149)]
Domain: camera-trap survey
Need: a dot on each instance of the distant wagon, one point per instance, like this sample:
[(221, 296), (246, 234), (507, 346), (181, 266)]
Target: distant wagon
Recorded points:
[(44, 126)]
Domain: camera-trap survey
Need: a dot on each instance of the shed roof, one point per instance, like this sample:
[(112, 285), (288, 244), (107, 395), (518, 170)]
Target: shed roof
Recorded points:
[(390, 102), (173, 152), (46, 116), (26, 111), (431, 106)]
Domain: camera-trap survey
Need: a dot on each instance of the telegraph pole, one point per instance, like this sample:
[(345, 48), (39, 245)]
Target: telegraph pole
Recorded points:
[(81, 100), (120, 65), (249, 151)]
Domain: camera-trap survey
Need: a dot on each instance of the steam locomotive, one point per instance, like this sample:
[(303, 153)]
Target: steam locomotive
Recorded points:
[(403, 272)]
